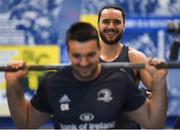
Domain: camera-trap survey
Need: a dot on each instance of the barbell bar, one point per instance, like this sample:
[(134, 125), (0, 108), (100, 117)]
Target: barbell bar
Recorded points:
[(168, 65)]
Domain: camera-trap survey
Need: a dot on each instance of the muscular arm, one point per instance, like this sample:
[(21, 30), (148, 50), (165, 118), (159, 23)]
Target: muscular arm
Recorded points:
[(153, 113), (22, 112), (138, 57)]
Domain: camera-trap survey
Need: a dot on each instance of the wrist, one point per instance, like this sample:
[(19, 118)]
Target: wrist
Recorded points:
[(158, 82)]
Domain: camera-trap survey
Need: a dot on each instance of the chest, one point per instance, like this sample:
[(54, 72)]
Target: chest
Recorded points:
[(80, 102)]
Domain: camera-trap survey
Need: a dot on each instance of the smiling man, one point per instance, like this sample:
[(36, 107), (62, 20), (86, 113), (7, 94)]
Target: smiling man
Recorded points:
[(111, 25)]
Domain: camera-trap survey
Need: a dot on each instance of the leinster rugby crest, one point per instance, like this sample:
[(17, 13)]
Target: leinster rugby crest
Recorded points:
[(64, 103), (104, 95)]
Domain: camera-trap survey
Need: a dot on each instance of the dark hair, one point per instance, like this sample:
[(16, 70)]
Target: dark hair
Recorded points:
[(112, 7), (82, 32)]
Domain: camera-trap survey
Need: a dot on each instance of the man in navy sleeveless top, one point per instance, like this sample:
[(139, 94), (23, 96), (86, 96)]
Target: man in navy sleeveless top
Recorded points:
[(86, 95), (111, 24)]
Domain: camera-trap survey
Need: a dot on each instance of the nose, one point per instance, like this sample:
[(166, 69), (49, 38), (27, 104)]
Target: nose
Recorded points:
[(111, 25), (84, 62)]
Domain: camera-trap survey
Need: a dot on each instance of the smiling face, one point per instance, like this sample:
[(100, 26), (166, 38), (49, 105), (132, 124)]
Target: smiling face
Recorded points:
[(84, 58), (111, 25)]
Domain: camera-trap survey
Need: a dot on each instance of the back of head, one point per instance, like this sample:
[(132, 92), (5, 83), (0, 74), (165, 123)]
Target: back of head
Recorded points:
[(82, 32)]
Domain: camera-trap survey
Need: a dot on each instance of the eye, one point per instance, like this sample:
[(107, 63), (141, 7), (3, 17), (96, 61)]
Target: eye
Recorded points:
[(92, 54), (106, 21), (117, 22), (77, 56)]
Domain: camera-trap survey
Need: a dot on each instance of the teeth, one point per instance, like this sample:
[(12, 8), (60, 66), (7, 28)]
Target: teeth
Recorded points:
[(111, 33)]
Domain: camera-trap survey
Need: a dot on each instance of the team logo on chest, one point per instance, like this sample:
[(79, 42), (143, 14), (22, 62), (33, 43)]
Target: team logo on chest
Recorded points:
[(104, 95), (122, 69), (64, 103)]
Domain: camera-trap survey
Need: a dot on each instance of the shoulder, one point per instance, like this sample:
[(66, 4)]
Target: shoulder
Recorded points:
[(55, 77), (64, 72), (136, 56), (117, 74)]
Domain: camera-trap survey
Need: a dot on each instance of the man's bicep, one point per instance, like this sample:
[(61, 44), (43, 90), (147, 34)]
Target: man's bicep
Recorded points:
[(139, 57), (37, 118), (145, 76)]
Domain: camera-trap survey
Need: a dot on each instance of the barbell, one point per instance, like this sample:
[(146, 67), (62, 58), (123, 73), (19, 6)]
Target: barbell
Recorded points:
[(168, 65)]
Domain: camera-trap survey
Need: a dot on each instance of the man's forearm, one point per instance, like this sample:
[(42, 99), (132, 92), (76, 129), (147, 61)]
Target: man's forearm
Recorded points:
[(158, 105), (17, 104)]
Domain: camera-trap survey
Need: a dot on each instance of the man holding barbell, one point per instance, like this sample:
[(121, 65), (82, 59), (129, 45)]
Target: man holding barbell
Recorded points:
[(86, 95)]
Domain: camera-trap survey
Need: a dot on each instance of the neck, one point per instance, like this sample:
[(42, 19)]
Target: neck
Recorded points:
[(108, 52)]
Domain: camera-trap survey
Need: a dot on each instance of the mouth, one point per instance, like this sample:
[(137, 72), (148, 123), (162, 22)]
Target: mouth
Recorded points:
[(110, 35), (110, 32)]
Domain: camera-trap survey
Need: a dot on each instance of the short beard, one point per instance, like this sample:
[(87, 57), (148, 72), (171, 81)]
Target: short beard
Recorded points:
[(110, 42), (88, 77)]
